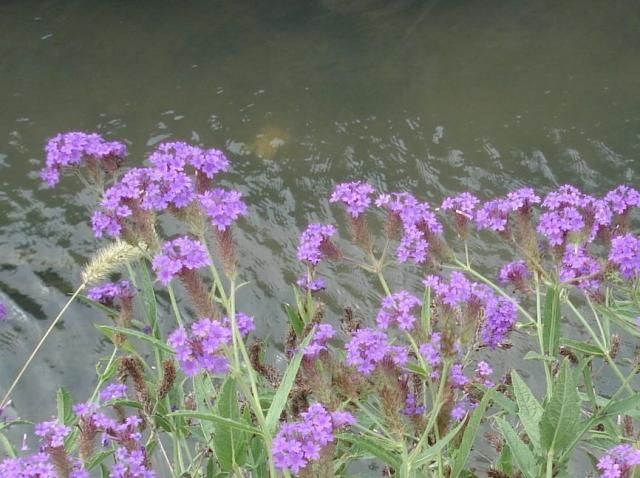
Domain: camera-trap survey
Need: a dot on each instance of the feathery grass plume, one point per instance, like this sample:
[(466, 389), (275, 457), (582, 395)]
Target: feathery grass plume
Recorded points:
[(109, 259), (132, 367), (168, 378)]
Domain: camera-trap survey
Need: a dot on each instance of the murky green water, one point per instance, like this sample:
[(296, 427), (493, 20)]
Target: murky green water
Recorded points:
[(430, 96)]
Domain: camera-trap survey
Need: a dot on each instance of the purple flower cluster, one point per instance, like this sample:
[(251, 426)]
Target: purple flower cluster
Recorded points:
[(244, 322), (308, 284), (618, 461), (175, 156), (203, 348), (432, 353), (581, 269), (625, 254), (515, 273), (222, 207), (556, 225), (71, 149), (126, 432), (623, 198), (299, 443), (463, 206), (368, 348), (483, 371), (130, 464), (411, 408), (397, 308), (355, 196), (499, 317), (457, 378), (314, 241), (107, 293), (181, 253), (32, 466), (494, 215), (113, 391), (52, 433), (323, 333), (459, 291)]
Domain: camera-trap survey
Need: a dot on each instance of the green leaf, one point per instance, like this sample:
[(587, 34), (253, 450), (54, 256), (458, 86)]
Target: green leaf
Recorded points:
[(531, 355), (97, 458), (620, 407), (561, 416), (148, 295), (469, 435), (288, 379), (435, 450), (521, 455), (294, 319), (529, 410), (551, 322), (583, 347), (8, 447), (64, 403), (210, 417), (425, 311), (109, 331), (230, 444), (369, 446)]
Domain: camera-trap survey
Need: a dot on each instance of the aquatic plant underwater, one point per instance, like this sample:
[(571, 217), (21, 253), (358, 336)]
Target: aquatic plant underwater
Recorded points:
[(410, 388)]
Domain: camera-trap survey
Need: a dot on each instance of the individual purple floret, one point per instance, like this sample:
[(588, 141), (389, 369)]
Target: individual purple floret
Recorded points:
[(244, 322), (494, 215), (3, 311), (355, 196), (315, 243), (130, 464), (202, 350), (581, 269), (618, 461), (32, 466), (222, 207), (516, 273), (311, 285), (397, 308), (522, 199), (71, 149), (369, 347), (52, 433), (181, 253), (499, 317), (625, 254), (299, 443), (556, 225), (113, 391), (107, 293), (623, 198), (323, 333)]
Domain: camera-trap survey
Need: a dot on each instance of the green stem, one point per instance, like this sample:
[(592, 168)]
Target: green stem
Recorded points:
[(174, 305), (540, 334)]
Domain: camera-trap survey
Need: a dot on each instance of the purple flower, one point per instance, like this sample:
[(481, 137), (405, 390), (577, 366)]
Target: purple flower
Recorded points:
[(243, 321), (113, 392), (580, 268), (499, 316), (522, 199), (354, 195), (107, 293), (323, 333), (52, 433), (71, 149), (210, 162), (3, 311), (457, 378), (203, 349), (397, 308), (623, 198), (368, 347), (314, 241), (410, 406), (494, 215), (464, 204), (181, 253), (625, 254), (222, 207), (483, 371), (516, 273), (566, 196), (413, 246), (32, 466), (556, 225), (618, 461), (455, 293), (431, 350), (297, 444), (311, 285), (130, 464)]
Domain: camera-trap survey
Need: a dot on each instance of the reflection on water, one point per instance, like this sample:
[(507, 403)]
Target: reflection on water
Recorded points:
[(430, 96)]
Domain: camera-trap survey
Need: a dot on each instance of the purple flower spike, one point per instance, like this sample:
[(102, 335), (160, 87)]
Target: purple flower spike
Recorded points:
[(33, 466), (52, 433), (522, 199), (314, 241), (202, 350), (457, 378), (107, 293), (556, 225), (355, 196), (245, 323), (566, 196), (464, 204), (499, 316), (311, 285), (222, 207), (71, 149), (321, 336), (625, 254), (618, 461), (366, 349), (623, 198), (113, 392), (397, 308), (581, 269), (516, 273), (181, 253), (130, 464), (494, 215)]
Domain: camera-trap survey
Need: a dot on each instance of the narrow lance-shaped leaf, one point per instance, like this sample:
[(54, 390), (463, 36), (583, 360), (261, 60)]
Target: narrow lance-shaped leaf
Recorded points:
[(551, 322), (521, 455), (529, 410)]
